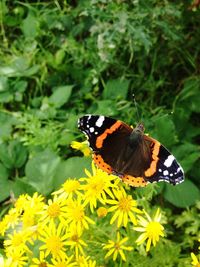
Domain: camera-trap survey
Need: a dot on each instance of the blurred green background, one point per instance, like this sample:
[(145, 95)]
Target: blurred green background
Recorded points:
[(62, 59)]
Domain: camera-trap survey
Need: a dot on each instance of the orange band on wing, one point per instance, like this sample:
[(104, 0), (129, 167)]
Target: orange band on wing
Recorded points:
[(100, 139), (101, 163), (134, 181), (152, 169)]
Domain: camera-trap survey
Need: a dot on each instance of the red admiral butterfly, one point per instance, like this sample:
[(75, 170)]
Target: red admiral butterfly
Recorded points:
[(128, 153)]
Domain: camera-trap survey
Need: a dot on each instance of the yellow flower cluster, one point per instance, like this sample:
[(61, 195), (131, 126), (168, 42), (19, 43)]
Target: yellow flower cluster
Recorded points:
[(195, 259), (60, 231)]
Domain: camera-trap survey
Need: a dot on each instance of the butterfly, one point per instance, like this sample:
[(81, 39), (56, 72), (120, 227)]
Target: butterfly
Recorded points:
[(129, 153)]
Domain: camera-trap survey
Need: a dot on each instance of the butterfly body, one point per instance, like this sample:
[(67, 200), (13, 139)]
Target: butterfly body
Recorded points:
[(127, 152)]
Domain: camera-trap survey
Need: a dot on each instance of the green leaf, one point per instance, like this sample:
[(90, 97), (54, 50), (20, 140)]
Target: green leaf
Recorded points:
[(6, 97), (164, 131), (6, 123), (60, 95), (4, 183), (182, 195), (189, 97), (20, 66), (13, 155), (116, 89), (71, 168), (30, 26), (41, 170), (188, 154), (106, 107), (20, 186), (3, 172), (3, 84)]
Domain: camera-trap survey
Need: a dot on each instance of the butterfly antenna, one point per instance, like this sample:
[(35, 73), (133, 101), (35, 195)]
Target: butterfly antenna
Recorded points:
[(136, 108)]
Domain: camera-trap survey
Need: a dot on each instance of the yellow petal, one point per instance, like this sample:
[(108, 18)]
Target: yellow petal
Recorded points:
[(122, 255), (148, 245), (141, 238)]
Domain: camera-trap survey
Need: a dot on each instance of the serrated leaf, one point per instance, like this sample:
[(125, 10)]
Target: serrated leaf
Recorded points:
[(41, 169), (182, 195), (60, 95)]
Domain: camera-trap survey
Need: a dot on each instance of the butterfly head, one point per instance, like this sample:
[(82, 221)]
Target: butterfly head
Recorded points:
[(139, 128)]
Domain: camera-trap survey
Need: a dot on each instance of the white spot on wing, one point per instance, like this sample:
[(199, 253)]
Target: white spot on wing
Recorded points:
[(169, 160), (100, 121), (165, 173), (91, 129)]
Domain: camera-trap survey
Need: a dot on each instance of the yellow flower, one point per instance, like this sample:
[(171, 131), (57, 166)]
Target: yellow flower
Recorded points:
[(17, 241), (151, 229), (97, 186), (54, 239), (28, 220), (102, 212), (4, 225), (21, 203), (124, 207), (195, 262), (40, 261), (62, 262), (117, 247), (69, 189), (4, 262), (82, 146), (85, 262), (35, 203), (75, 242), (16, 258), (75, 214), (12, 218), (55, 210)]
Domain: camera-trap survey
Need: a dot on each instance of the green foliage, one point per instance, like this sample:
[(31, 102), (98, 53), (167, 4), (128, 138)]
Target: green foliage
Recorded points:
[(62, 59)]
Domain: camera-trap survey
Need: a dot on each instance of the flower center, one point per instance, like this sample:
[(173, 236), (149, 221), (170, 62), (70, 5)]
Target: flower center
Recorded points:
[(117, 246), (42, 264), (78, 214), (54, 244), (28, 220), (125, 204), (154, 229), (17, 240), (75, 238), (71, 186), (54, 210)]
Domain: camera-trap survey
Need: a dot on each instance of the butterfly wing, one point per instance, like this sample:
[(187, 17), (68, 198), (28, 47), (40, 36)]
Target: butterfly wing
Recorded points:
[(164, 166), (147, 161), (109, 140)]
